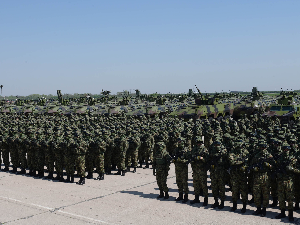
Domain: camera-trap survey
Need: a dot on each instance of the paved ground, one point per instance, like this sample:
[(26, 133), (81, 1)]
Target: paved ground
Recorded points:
[(115, 200)]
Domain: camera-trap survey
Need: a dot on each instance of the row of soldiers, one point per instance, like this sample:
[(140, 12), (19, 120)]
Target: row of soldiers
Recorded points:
[(249, 160), (107, 142)]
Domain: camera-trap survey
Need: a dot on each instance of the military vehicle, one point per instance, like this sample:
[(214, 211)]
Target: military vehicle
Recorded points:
[(287, 109)]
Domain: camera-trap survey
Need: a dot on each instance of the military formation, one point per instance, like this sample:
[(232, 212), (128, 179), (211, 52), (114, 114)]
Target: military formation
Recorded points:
[(254, 155)]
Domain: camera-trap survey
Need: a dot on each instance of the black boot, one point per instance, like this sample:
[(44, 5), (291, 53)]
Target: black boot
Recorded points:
[(141, 165), (30, 173), (134, 170), (201, 192), (221, 206), (14, 169), (72, 179), (258, 211), (113, 167), (291, 217), (234, 207), (61, 179), (147, 165), (281, 215), (296, 206), (161, 195), (81, 181), (205, 201), (6, 168), (186, 198), (35, 174), (166, 195), (216, 204), (263, 212), (41, 174), (50, 175), (23, 171), (180, 197), (244, 207), (57, 177), (100, 177), (123, 173), (196, 200), (90, 175), (108, 171), (251, 201), (68, 179), (119, 172), (275, 202), (128, 169)]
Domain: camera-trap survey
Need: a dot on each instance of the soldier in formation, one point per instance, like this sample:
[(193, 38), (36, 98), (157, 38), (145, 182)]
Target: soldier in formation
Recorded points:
[(254, 155)]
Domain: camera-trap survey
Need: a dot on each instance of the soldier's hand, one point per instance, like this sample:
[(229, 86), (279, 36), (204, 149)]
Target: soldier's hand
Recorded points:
[(267, 164), (256, 169), (243, 168)]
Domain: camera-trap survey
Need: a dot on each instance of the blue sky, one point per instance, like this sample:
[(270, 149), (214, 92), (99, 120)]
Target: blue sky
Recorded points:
[(155, 46)]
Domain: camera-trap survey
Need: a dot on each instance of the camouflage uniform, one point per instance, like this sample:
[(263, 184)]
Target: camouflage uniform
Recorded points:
[(162, 166), (238, 158), (261, 165), (132, 152), (199, 155), (219, 163), (121, 151), (285, 175), (181, 169)]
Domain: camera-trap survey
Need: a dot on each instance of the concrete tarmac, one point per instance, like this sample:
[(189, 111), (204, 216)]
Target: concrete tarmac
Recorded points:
[(129, 199)]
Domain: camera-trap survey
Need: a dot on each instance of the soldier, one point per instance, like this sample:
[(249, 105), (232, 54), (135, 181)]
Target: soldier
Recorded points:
[(5, 150), (285, 175), (199, 156), (146, 151), (121, 151), (80, 151), (181, 169), (22, 153), (161, 164), (132, 152), (261, 165), (238, 157), (219, 162)]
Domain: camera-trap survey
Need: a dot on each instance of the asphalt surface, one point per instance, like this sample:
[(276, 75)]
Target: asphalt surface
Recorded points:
[(129, 199)]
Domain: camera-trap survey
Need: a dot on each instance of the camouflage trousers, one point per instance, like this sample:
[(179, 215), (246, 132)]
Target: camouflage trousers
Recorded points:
[(96, 159), (250, 182), (22, 157), (274, 187), (70, 162), (40, 156), (297, 187), (145, 154), (132, 157), (261, 184), (31, 160), (49, 160), (59, 162), (14, 156), (80, 165), (218, 183), (181, 170), (107, 158), (121, 160), (239, 185), (200, 182), (285, 192), (161, 177), (5, 156)]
